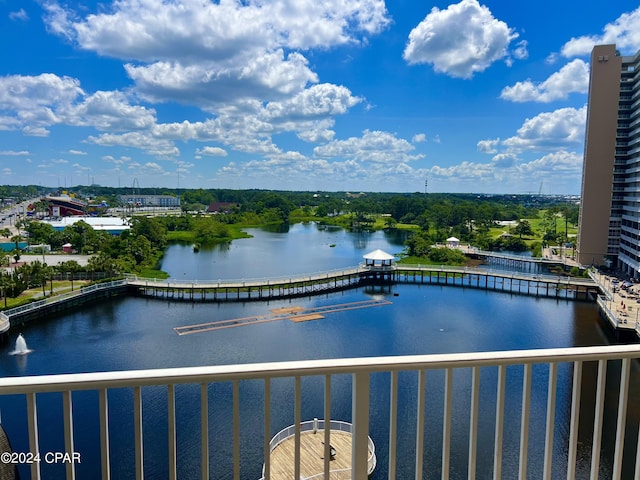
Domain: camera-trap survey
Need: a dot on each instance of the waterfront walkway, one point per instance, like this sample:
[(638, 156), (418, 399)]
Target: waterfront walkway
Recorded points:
[(312, 284), (620, 308), (378, 278)]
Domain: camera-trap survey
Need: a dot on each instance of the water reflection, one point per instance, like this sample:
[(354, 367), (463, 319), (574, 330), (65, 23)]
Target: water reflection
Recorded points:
[(275, 251)]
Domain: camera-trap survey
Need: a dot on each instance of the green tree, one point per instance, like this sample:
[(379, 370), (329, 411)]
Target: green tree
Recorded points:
[(419, 244), (17, 252), (5, 283), (523, 227), (139, 248), (40, 232), (208, 230), (79, 235), (152, 228), (280, 204), (70, 267), (102, 263), (447, 256)]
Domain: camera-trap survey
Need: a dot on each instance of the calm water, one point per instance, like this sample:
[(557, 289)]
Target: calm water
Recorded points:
[(301, 248), (134, 333)]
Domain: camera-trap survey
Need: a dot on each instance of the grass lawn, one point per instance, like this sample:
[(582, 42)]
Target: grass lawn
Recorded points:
[(152, 273), (59, 287)]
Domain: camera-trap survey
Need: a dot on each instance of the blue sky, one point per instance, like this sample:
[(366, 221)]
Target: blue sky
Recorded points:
[(358, 95)]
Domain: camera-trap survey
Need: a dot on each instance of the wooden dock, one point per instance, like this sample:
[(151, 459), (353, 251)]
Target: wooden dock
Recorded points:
[(385, 277), (314, 284), (253, 289), (539, 285)]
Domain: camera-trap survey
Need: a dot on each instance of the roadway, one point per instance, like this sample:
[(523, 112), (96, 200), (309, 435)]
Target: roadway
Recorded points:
[(10, 215)]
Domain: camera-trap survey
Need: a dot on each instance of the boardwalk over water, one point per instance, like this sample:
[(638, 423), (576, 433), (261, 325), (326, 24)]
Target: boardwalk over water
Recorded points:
[(312, 284), (379, 278)]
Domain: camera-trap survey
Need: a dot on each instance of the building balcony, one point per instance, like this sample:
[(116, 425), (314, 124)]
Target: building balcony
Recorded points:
[(486, 413)]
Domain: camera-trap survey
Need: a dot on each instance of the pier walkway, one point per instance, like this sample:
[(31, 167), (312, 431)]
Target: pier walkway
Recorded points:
[(304, 285), (376, 277), (512, 260), (620, 309)]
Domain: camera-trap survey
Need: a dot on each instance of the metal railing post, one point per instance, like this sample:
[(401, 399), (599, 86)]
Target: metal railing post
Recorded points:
[(32, 412), (360, 420), (68, 433)]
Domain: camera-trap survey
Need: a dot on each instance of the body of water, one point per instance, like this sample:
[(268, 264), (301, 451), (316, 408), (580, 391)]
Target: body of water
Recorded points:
[(135, 333), (299, 248)]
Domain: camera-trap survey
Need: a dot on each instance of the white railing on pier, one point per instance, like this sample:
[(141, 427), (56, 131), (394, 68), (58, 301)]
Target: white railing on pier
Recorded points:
[(546, 277), (62, 297), (360, 370), (313, 425), (248, 282), (469, 250), (318, 276), (5, 323), (130, 279)]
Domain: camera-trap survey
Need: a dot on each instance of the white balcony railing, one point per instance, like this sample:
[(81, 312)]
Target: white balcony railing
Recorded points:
[(585, 401)]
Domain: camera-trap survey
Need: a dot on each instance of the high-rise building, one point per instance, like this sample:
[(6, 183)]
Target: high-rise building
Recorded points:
[(609, 230)]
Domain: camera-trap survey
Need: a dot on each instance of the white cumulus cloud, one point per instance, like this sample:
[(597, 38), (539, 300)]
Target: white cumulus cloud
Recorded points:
[(560, 128), (212, 151), (371, 147), (194, 51), (571, 78), (461, 40), (624, 32), (35, 103)]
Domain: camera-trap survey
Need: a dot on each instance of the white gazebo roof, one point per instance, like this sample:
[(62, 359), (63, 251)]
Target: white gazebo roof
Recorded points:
[(378, 255), (453, 239)]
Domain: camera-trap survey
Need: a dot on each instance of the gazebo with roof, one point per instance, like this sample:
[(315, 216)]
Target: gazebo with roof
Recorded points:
[(453, 242), (378, 258)]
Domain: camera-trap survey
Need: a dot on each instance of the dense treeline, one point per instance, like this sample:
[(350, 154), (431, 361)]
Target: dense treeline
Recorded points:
[(433, 218), (437, 215)]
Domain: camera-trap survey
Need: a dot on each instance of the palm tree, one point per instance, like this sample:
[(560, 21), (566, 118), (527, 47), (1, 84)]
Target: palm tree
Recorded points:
[(71, 267), (16, 251), (5, 281)]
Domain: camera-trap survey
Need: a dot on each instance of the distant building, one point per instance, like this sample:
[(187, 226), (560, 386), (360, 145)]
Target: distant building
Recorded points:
[(65, 206), (222, 207), (161, 201), (609, 225), (112, 225)]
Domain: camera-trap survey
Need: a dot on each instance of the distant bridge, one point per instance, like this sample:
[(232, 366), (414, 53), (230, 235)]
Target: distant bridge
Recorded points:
[(510, 259)]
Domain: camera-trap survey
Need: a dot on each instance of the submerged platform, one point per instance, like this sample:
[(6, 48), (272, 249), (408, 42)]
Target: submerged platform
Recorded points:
[(312, 449), (293, 313)]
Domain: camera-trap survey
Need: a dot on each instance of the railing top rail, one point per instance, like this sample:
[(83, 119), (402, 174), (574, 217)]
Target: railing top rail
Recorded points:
[(56, 298), (345, 270), (117, 379), (490, 271), (235, 281)]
